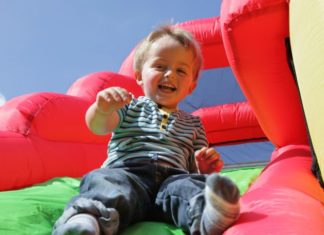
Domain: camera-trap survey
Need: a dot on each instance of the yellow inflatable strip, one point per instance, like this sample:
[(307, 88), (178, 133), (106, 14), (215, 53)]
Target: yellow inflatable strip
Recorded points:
[(307, 43)]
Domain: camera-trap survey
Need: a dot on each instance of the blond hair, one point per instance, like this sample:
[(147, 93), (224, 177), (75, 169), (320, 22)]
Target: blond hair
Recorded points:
[(180, 35)]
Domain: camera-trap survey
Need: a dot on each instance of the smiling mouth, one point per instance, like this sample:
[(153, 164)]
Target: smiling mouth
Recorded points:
[(167, 88)]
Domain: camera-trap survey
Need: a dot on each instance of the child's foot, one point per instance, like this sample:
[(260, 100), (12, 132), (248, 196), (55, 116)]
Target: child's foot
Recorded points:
[(80, 224), (87, 217), (222, 205)]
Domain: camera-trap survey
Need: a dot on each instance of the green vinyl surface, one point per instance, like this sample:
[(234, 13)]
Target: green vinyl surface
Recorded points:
[(34, 210)]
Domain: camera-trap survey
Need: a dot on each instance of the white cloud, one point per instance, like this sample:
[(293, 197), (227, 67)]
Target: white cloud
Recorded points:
[(2, 99)]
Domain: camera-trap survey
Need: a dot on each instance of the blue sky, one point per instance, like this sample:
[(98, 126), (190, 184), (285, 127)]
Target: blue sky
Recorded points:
[(45, 45)]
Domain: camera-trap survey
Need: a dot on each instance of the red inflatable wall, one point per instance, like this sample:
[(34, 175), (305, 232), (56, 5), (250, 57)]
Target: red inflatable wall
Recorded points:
[(286, 198)]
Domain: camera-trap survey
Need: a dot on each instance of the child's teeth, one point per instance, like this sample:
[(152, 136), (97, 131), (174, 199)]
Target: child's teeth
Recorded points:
[(167, 87)]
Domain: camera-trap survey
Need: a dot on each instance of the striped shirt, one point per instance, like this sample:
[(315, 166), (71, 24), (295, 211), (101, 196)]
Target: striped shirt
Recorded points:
[(145, 131)]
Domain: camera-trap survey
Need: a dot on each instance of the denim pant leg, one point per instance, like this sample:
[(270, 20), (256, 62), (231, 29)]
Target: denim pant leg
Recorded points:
[(181, 199), (120, 189)]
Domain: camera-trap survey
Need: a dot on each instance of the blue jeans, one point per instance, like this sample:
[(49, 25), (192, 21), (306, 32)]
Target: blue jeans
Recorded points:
[(146, 190)]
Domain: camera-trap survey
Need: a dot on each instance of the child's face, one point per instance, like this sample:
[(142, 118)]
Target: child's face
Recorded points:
[(167, 75)]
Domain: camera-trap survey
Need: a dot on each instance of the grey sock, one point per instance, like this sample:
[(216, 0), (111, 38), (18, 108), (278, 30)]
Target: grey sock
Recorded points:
[(87, 216), (222, 205), (109, 224), (108, 218), (80, 224)]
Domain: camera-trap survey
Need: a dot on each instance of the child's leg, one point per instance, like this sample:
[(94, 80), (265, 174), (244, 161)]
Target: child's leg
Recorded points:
[(222, 205), (106, 195), (182, 201)]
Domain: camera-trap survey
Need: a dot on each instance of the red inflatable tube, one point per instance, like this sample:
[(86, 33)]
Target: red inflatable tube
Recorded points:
[(230, 123), (254, 34), (208, 33)]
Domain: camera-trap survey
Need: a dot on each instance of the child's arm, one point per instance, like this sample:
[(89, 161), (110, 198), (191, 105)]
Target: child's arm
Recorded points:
[(208, 160), (102, 117)]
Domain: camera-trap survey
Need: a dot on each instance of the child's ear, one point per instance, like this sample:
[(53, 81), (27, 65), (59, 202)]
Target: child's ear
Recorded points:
[(192, 87), (138, 77)]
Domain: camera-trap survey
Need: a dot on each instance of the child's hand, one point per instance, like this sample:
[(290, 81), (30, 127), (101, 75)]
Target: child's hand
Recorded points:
[(208, 160), (112, 99)]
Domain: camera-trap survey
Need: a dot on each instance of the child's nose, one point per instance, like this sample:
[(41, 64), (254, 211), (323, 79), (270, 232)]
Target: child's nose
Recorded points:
[(168, 73)]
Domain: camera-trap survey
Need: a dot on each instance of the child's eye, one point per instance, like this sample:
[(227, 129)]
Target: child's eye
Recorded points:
[(182, 71), (159, 66)]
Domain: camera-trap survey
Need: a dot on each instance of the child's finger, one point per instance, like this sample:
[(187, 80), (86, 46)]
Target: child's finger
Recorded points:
[(219, 165), (199, 154), (211, 153), (216, 164), (124, 95)]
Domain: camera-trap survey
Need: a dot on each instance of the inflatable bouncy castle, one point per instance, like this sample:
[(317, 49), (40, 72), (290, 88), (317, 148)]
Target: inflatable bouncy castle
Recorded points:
[(276, 56)]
